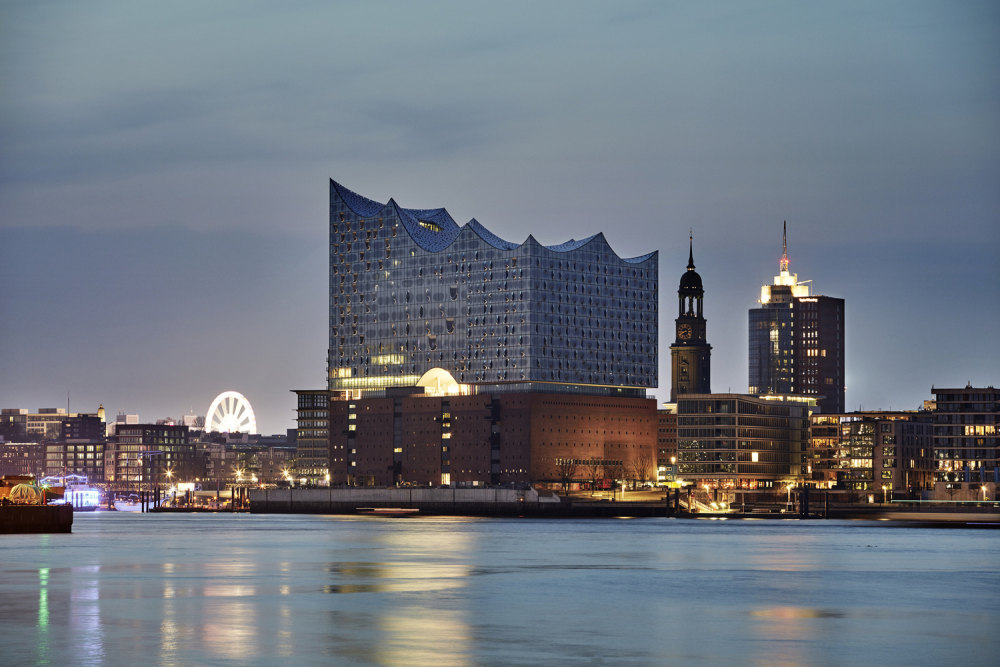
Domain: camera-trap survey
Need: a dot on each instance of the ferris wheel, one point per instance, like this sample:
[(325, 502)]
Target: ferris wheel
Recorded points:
[(230, 412)]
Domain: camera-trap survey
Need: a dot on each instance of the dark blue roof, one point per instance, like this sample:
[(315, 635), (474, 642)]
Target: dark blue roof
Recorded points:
[(490, 237), (363, 206), (447, 230), (572, 244)]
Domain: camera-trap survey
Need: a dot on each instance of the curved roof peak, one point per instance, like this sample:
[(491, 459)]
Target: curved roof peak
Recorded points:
[(361, 205), (490, 237), (433, 229)]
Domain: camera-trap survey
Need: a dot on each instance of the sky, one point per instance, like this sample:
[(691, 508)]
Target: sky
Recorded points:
[(164, 174)]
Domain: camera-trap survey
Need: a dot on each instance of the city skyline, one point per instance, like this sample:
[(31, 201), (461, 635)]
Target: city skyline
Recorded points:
[(162, 186)]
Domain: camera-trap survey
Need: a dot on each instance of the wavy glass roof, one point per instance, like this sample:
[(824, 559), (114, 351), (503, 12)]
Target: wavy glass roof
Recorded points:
[(433, 229)]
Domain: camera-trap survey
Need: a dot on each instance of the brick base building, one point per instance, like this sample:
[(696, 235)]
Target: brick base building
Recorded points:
[(481, 439)]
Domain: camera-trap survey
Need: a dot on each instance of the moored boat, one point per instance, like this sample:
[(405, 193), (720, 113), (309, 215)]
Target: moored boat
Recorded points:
[(128, 504)]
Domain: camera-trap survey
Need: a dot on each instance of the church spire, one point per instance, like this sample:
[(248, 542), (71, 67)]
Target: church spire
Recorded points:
[(783, 264), (691, 251)]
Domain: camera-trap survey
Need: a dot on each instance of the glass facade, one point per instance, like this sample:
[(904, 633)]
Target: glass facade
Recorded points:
[(410, 291), (771, 358)]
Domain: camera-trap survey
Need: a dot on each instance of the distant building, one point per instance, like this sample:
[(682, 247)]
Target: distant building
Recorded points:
[(80, 449), (666, 444), (151, 453), (966, 447), (872, 451), (14, 424), (797, 342), (690, 355), (83, 427), (46, 424), (22, 458), (76, 457), (238, 464), (193, 422), (736, 441), (312, 434)]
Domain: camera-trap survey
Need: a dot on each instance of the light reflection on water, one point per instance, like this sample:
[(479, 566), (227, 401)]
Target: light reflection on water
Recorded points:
[(244, 589)]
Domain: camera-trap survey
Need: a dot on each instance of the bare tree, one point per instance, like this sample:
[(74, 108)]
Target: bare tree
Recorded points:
[(594, 467), (567, 471), (641, 465), (616, 471)]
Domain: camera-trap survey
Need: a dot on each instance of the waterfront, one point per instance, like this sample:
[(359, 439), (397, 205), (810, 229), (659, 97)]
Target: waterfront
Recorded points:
[(251, 589)]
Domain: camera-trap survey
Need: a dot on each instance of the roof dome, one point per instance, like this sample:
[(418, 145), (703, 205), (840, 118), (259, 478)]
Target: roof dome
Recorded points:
[(690, 282)]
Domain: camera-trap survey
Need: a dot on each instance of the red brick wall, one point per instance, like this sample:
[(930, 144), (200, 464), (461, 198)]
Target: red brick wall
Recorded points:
[(534, 430)]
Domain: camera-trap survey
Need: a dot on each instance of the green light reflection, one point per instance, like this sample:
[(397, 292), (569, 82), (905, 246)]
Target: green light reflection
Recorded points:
[(43, 615)]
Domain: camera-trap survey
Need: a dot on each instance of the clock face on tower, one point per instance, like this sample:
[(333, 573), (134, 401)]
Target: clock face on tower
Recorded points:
[(684, 331)]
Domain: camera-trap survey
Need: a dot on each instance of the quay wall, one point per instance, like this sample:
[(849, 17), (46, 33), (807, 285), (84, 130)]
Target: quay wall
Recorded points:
[(449, 502), (477, 502), (36, 519)]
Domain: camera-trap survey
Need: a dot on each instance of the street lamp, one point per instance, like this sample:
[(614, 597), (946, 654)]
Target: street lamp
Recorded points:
[(789, 489), (885, 493)]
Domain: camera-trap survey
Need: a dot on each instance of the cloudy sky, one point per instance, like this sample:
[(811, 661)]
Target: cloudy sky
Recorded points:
[(164, 175)]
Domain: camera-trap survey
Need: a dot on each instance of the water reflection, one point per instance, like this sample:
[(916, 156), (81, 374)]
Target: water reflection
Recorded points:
[(395, 577), (43, 614), (419, 635), (792, 613), (787, 631), (228, 614), (285, 636), (85, 613), (230, 629)]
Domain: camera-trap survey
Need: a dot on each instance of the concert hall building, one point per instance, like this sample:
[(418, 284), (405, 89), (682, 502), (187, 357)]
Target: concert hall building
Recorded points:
[(457, 357)]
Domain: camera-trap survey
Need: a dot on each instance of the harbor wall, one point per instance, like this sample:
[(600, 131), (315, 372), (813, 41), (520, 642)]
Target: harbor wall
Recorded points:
[(449, 502), (483, 502), (36, 519)]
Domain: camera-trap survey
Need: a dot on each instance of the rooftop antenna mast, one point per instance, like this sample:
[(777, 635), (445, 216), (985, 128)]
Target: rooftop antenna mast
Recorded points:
[(784, 246)]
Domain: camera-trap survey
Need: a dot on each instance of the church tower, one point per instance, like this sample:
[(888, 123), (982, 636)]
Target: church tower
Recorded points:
[(690, 355)]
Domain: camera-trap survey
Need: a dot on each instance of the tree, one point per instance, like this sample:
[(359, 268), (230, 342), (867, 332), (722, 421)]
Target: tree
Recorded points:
[(641, 465), (567, 471), (616, 471), (594, 467)]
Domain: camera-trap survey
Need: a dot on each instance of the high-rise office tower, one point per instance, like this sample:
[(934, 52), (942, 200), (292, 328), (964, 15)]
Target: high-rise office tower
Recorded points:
[(797, 341), (690, 355)]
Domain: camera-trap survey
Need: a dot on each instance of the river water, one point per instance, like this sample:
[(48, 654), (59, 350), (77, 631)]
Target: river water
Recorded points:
[(244, 589)]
